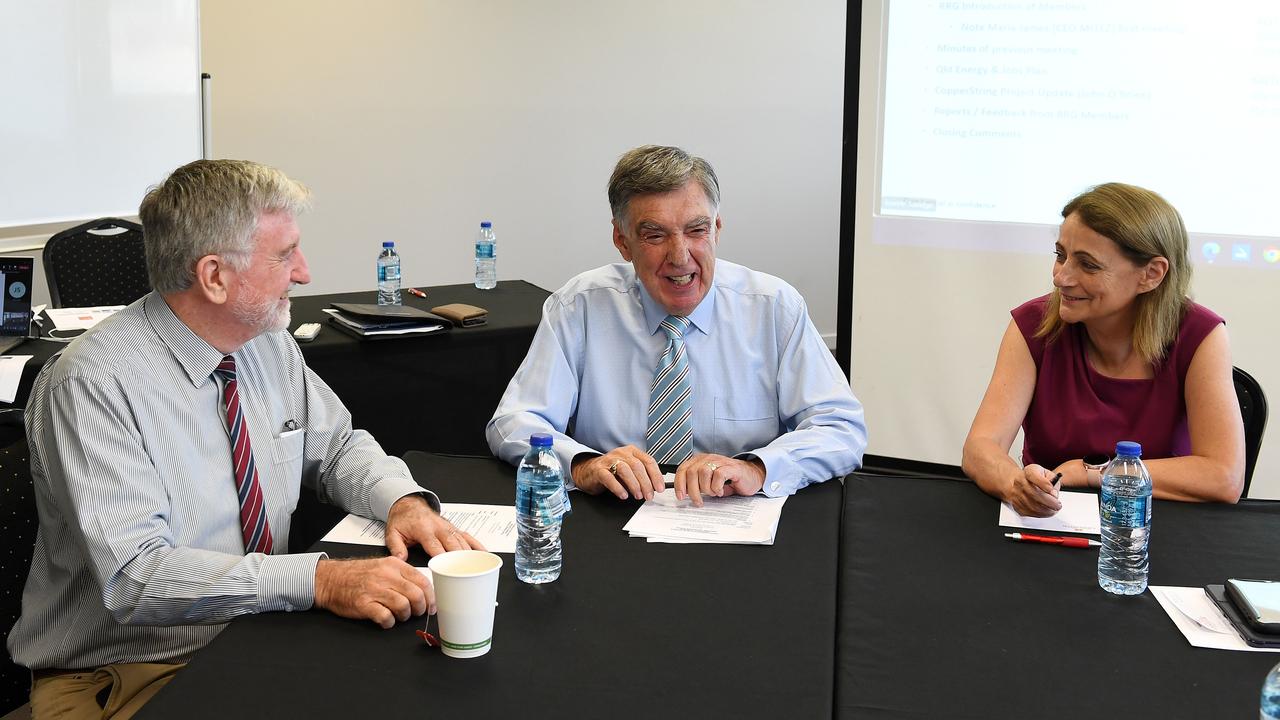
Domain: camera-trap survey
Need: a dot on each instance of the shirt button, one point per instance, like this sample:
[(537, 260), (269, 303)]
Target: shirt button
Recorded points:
[(288, 607), (775, 486)]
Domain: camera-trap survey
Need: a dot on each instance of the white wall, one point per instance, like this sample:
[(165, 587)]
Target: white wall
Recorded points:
[(413, 120)]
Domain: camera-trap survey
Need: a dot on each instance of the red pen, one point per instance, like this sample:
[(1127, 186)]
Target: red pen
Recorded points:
[(416, 291), (1076, 542)]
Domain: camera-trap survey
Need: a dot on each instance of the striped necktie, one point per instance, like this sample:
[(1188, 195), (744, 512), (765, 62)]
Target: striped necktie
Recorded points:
[(670, 432), (253, 512)]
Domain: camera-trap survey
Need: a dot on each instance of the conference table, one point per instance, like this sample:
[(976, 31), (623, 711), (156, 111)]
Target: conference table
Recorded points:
[(630, 630), (426, 392), (941, 616)]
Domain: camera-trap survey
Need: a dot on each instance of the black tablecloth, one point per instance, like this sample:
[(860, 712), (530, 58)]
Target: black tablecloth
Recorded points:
[(427, 392), (940, 616), (630, 630)]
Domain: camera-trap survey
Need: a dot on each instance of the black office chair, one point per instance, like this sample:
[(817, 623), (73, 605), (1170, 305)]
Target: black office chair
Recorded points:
[(1253, 409), (88, 265), (18, 523)]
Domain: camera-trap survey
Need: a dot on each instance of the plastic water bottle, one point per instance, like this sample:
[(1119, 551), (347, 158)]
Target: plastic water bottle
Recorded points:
[(486, 257), (1125, 507), (1270, 709), (388, 275), (541, 504)]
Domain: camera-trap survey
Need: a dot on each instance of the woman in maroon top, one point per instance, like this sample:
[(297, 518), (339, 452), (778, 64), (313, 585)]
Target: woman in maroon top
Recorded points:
[(1115, 352)]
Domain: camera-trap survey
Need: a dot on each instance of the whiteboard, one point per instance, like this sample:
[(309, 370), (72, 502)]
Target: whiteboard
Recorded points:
[(101, 99)]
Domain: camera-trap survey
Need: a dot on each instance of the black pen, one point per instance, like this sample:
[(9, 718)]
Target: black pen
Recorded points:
[(1056, 479)]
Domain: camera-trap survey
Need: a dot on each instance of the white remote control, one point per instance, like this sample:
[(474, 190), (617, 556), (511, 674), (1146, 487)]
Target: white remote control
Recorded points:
[(307, 332)]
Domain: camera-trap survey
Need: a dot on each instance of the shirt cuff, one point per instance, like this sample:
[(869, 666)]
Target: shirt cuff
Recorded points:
[(288, 582), (389, 490), (777, 471)]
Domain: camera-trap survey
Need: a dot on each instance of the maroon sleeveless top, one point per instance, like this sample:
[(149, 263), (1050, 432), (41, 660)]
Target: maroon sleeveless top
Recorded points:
[(1076, 411)]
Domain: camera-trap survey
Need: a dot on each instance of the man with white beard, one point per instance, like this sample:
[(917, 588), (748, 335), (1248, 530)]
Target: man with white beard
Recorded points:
[(168, 448)]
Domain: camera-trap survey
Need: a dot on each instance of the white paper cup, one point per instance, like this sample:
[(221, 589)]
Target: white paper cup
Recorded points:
[(466, 584)]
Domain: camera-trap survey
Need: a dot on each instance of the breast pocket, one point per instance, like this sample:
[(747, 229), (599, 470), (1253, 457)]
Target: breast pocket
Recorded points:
[(286, 455), (743, 423)]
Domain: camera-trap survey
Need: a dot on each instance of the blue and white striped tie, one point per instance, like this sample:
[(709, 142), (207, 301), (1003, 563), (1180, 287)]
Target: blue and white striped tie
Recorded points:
[(670, 433)]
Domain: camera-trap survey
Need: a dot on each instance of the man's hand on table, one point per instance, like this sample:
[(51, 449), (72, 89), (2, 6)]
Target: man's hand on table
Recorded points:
[(384, 590), (625, 472), (716, 476), (412, 521)]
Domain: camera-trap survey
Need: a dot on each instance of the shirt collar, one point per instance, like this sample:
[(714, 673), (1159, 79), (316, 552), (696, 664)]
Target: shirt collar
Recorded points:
[(701, 318), (197, 357)]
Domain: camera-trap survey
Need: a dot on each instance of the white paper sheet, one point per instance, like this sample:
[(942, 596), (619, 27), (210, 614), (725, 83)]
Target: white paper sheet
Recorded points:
[(1200, 620), (492, 525), (1079, 514), (735, 519), (11, 375), (80, 318)]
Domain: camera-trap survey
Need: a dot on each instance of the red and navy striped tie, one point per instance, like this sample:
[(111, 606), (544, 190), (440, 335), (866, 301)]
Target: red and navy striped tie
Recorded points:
[(253, 512)]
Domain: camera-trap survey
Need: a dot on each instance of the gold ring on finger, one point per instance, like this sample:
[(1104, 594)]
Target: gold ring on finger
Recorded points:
[(613, 468), (712, 466)]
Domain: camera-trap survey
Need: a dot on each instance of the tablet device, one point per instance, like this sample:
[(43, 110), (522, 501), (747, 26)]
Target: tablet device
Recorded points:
[(1258, 602), (15, 300)]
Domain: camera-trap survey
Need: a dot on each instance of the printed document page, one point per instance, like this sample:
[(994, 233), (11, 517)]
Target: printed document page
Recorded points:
[(492, 525), (1079, 514), (747, 520), (11, 375), (81, 318)]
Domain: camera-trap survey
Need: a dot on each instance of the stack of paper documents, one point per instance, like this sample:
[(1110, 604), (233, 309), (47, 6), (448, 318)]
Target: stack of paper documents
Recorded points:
[(738, 520)]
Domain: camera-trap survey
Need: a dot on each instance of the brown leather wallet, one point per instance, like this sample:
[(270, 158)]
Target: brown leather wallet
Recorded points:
[(462, 314)]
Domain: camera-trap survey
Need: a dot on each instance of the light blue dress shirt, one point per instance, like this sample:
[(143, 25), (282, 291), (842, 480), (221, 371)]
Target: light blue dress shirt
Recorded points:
[(764, 382)]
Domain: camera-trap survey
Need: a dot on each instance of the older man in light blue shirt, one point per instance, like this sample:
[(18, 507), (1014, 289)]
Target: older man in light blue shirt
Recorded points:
[(766, 404)]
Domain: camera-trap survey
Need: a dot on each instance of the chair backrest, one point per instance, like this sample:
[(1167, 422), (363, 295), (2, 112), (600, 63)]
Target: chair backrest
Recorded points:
[(18, 525), (1253, 410), (85, 266)]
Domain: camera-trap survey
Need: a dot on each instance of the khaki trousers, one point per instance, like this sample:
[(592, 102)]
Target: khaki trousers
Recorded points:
[(113, 692)]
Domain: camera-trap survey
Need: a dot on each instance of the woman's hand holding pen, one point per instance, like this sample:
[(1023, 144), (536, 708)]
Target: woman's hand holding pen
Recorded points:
[(1034, 493), (1074, 474)]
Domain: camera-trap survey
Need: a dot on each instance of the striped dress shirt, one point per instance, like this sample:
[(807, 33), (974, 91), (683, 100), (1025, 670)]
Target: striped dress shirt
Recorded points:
[(139, 556)]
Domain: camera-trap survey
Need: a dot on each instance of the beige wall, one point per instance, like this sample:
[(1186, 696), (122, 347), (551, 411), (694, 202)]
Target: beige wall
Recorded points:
[(414, 120)]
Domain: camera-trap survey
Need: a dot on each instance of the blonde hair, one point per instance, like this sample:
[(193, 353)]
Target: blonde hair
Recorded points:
[(1144, 226)]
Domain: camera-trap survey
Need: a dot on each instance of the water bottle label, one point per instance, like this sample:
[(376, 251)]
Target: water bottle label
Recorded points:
[(1127, 512), (484, 251), (555, 505), (388, 272)]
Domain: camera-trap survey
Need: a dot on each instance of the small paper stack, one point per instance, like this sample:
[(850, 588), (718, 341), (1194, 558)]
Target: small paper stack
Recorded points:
[(736, 520)]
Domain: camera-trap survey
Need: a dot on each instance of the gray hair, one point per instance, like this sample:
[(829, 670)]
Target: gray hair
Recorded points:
[(210, 207), (658, 169)]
